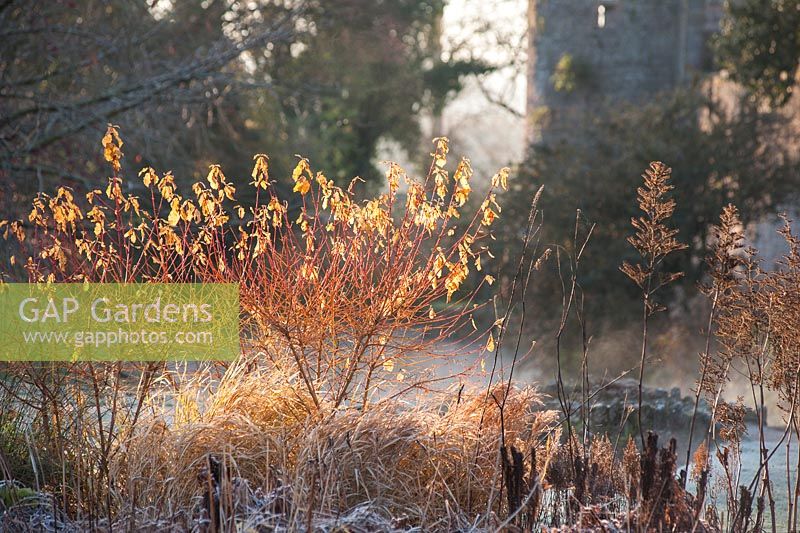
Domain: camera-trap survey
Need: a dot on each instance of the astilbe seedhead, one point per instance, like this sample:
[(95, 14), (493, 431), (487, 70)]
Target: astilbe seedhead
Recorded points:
[(653, 239), (728, 256), (731, 417), (605, 479), (781, 302), (631, 463), (729, 263), (700, 462), (758, 321)]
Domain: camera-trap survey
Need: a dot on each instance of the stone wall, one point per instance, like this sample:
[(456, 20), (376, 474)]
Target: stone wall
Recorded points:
[(608, 51)]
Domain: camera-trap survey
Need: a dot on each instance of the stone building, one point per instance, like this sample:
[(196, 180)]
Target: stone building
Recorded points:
[(584, 53)]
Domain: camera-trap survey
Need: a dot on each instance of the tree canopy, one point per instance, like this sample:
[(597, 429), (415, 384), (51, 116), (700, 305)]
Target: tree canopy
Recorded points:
[(193, 83), (759, 45)]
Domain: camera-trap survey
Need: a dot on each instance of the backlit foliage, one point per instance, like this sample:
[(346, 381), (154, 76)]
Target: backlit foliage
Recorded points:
[(346, 290)]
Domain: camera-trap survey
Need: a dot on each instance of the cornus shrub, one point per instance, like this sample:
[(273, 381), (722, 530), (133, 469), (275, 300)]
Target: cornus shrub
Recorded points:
[(348, 293)]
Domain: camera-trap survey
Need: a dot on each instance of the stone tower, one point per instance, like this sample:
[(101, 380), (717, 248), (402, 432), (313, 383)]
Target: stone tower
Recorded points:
[(586, 53)]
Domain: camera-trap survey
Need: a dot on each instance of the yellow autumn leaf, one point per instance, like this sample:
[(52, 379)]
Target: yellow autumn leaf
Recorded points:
[(440, 154), (302, 166), (441, 180), (501, 178), (490, 343), (112, 144), (174, 217), (229, 191), (261, 171), (302, 186), (188, 211), (215, 177), (149, 176), (166, 186), (489, 279), (388, 365), (461, 193), (488, 217)]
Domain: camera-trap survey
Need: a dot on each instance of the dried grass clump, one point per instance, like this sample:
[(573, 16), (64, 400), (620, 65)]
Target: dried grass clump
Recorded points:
[(248, 421), (423, 462)]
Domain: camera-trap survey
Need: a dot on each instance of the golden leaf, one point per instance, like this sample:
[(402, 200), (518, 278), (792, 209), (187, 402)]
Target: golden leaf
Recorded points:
[(302, 166), (393, 177), (215, 177), (441, 183), (309, 271), (501, 178), (488, 216), (440, 154), (261, 171), (490, 343), (149, 176), (166, 186), (112, 144), (189, 211), (302, 186), (229, 191), (174, 217)]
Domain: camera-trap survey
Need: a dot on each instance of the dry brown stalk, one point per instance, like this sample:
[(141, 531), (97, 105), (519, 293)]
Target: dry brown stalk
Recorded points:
[(654, 242)]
